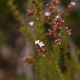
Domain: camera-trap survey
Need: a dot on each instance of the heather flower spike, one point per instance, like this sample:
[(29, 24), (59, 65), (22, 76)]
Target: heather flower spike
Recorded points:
[(68, 32), (49, 67)]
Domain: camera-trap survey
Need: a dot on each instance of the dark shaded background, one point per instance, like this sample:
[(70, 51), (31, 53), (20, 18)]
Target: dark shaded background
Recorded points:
[(9, 34)]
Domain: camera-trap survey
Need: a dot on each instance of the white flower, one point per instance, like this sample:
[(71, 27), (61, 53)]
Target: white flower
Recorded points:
[(57, 16), (73, 3), (31, 23), (41, 44), (47, 13), (37, 42)]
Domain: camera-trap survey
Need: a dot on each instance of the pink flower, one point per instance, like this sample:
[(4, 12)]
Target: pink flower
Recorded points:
[(30, 13), (27, 59), (57, 41), (68, 32), (55, 2)]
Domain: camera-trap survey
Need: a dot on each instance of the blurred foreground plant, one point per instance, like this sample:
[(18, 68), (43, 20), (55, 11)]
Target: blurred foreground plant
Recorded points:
[(50, 62)]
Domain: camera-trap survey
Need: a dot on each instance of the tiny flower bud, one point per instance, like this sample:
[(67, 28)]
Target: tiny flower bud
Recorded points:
[(68, 32), (31, 57), (43, 55), (47, 5), (39, 13), (57, 41), (30, 13), (33, 2), (59, 35), (38, 19)]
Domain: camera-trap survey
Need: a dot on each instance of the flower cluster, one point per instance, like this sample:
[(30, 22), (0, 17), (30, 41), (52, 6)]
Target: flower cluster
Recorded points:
[(33, 1), (57, 21), (55, 2), (52, 8), (70, 6), (35, 4), (30, 13), (50, 32), (39, 46), (27, 59), (68, 32), (57, 41)]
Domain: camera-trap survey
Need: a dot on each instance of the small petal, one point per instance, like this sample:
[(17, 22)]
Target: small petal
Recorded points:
[(73, 3), (31, 23), (47, 13), (57, 16), (37, 42), (41, 44)]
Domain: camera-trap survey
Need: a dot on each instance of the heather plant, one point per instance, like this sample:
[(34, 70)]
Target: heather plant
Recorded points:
[(52, 59)]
